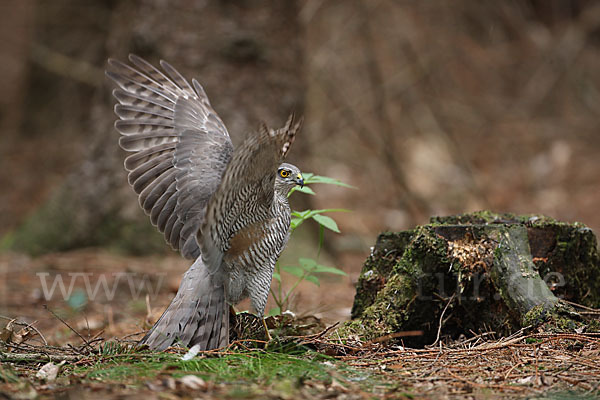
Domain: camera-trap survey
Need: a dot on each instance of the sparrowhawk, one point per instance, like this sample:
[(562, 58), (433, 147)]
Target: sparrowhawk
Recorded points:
[(225, 208)]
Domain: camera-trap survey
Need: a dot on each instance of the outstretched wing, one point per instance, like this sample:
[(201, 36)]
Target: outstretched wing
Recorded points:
[(180, 147), (246, 193)]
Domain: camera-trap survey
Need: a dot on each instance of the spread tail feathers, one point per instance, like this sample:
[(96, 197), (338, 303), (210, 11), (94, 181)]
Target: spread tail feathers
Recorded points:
[(198, 315)]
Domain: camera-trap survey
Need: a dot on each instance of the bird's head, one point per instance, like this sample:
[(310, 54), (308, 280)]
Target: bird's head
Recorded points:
[(288, 176)]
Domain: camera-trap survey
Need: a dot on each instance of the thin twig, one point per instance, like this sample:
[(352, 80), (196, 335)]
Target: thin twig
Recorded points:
[(26, 326), (441, 323), (323, 332), (37, 331), (70, 327), (593, 310)]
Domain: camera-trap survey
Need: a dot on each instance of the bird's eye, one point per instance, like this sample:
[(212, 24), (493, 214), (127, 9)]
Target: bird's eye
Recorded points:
[(284, 173)]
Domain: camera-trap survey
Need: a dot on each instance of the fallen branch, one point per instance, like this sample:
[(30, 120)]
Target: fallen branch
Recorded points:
[(37, 357)]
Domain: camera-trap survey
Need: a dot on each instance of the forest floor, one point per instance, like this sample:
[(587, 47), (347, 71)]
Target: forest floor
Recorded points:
[(86, 326)]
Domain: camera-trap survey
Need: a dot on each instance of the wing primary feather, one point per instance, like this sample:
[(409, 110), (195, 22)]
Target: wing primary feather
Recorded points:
[(147, 177), (200, 91), (163, 80), (126, 111), (166, 214), (137, 76), (174, 237), (133, 126), (290, 120), (135, 160), (159, 205), (149, 165), (135, 87), (141, 141), (176, 76), (169, 226), (152, 193), (130, 98)]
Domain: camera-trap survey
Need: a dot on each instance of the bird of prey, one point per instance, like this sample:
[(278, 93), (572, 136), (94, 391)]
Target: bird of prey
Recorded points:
[(225, 208)]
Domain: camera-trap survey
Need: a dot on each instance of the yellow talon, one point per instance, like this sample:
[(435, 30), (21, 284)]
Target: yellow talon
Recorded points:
[(269, 338)]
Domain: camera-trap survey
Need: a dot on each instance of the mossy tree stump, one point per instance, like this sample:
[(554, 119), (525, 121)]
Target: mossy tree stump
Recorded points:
[(489, 272)]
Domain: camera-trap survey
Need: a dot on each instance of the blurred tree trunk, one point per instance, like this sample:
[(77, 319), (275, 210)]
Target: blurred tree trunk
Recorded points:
[(15, 29), (246, 54), (16, 26)]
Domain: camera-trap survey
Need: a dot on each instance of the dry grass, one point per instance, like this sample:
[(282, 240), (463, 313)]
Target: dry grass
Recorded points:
[(521, 365)]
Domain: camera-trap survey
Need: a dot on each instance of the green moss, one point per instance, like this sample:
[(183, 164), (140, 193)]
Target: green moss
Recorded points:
[(560, 318), (593, 326), (535, 317), (391, 308), (389, 294), (234, 368), (485, 217), (573, 264), (378, 266), (426, 251)]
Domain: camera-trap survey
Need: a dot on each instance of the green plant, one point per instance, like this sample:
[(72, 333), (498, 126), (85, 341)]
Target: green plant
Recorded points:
[(307, 268)]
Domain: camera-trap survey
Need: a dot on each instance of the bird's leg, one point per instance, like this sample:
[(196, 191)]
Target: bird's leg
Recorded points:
[(233, 310), (258, 300), (261, 315), (264, 321)]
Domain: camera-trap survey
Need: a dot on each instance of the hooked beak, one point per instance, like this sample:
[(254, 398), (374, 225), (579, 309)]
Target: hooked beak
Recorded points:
[(300, 180)]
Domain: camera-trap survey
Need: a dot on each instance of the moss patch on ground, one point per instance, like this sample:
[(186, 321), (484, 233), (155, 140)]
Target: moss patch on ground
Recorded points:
[(294, 373)]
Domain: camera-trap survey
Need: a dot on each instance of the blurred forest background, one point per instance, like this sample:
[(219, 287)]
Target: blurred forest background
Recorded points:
[(427, 107)]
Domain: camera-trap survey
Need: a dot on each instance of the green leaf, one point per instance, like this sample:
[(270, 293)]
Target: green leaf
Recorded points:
[(308, 264), (313, 279), (329, 270), (327, 222), (307, 176), (276, 276), (300, 216), (295, 223), (310, 178), (311, 265), (274, 311), (303, 214), (294, 270), (309, 213), (304, 189)]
